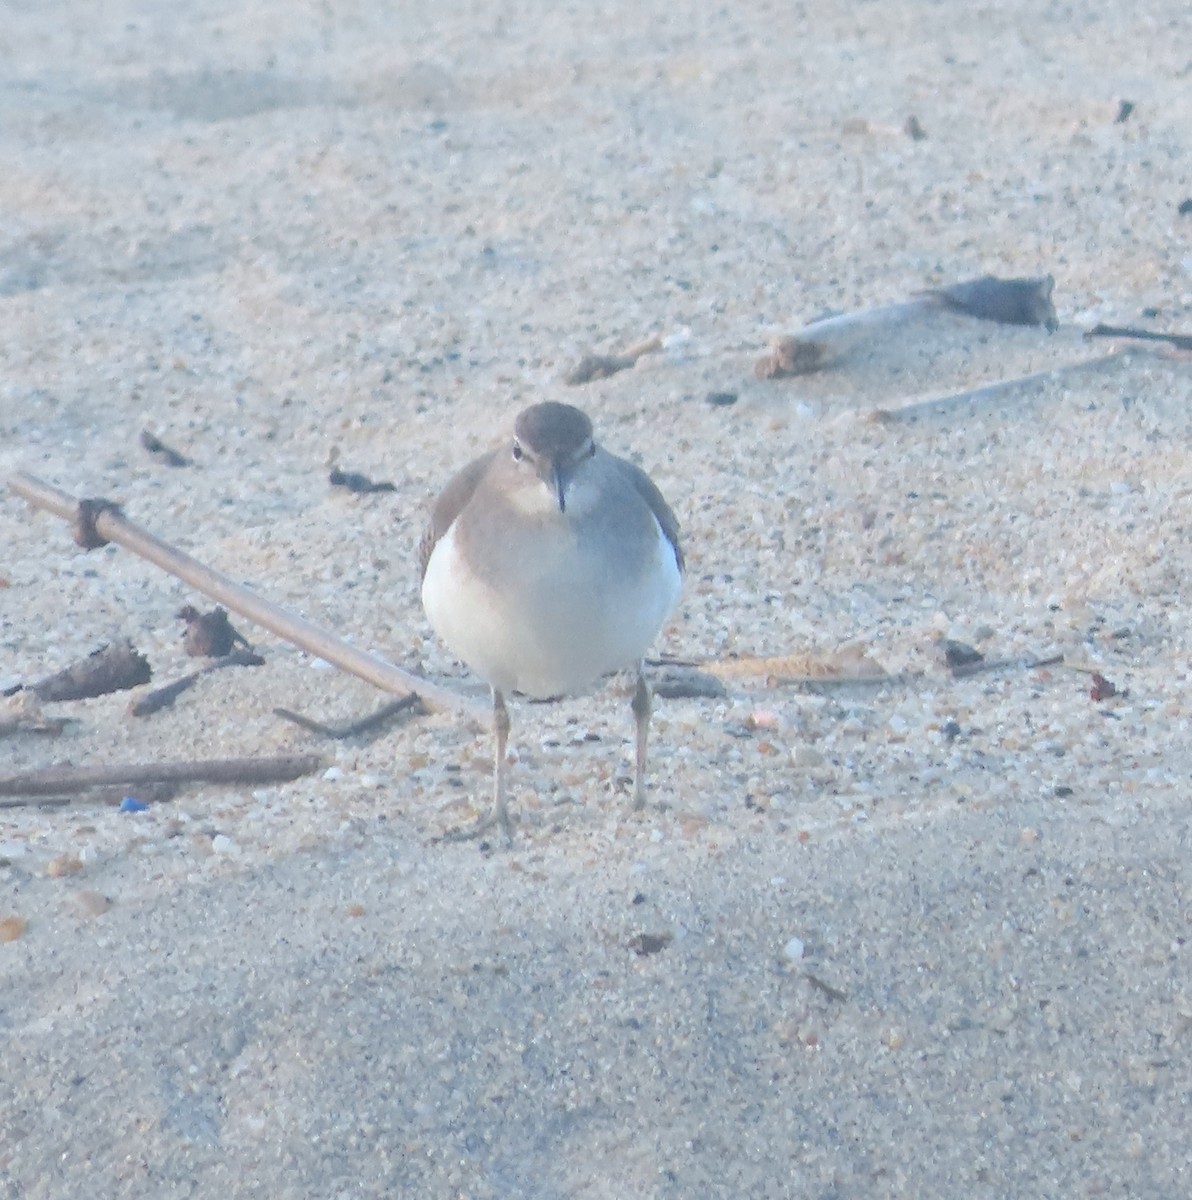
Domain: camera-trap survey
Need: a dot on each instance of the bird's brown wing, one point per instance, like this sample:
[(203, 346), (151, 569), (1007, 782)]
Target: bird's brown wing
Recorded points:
[(459, 490), (658, 506)]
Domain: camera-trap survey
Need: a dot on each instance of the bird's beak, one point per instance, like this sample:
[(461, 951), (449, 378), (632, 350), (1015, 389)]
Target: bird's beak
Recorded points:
[(560, 477), (557, 477)]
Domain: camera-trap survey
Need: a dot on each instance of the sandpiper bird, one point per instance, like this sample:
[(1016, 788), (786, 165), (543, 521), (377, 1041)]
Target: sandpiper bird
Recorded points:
[(549, 563)]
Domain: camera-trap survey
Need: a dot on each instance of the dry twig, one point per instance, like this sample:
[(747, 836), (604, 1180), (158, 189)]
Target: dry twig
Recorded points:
[(601, 366), (164, 696), (1178, 341), (160, 452), (963, 670), (349, 729), (1002, 390)]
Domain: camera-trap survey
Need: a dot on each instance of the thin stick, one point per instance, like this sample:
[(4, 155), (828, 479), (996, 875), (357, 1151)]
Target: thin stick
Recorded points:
[(56, 780), (1181, 341), (833, 993), (149, 793), (115, 527), (38, 802), (1005, 664), (165, 695), (990, 391), (349, 728), (830, 683)]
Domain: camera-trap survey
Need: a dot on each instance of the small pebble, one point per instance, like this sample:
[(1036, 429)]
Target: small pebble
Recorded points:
[(12, 928), (793, 950), (91, 904), (130, 804), (650, 943), (63, 865), (914, 129), (762, 718), (222, 844), (333, 774)]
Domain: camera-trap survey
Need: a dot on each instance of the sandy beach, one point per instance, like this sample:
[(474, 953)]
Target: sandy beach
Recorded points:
[(924, 936)]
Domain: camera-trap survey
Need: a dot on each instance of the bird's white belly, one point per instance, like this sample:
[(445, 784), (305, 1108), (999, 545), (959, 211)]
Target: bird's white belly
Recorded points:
[(555, 629)]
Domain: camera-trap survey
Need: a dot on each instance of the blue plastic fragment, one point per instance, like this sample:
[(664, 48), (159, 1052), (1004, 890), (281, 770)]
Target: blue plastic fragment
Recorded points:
[(132, 804)]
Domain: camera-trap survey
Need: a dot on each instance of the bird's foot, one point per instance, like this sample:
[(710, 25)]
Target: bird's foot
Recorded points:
[(491, 820)]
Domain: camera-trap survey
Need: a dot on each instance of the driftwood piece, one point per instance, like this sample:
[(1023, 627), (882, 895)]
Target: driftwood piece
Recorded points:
[(851, 667), (109, 524), (112, 668), (825, 342), (850, 661), (1004, 301), (47, 725), (52, 781)]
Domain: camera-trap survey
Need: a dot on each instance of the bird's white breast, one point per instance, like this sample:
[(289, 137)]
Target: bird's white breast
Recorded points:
[(557, 605)]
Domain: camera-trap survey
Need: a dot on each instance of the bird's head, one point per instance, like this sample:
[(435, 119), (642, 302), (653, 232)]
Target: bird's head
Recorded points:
[(551, 442)]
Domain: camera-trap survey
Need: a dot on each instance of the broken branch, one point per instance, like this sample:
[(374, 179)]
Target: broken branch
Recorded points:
[(52, 781)]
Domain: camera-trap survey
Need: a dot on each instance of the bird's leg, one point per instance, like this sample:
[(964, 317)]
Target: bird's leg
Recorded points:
[(642, 706), (499, 813)]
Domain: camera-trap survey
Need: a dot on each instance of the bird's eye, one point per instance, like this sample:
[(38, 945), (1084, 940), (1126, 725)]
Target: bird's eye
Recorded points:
[(518, 453), (592, 450)]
